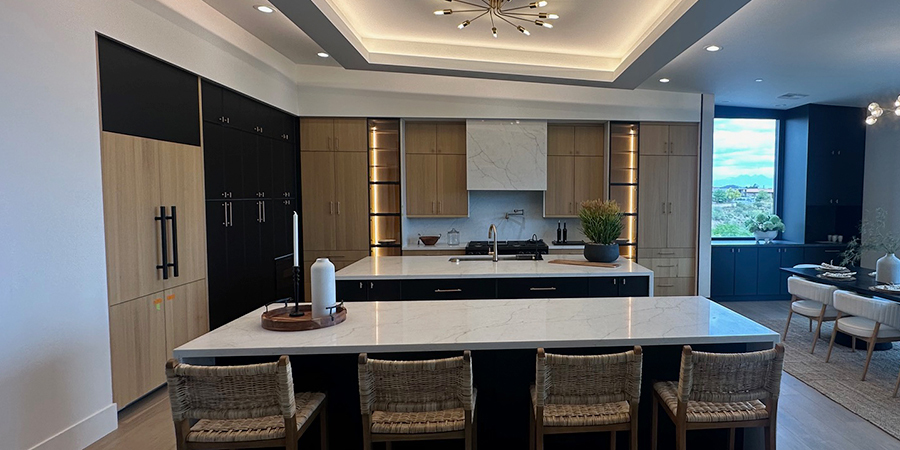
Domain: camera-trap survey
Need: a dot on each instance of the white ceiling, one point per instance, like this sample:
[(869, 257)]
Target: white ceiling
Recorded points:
[(837, 51)]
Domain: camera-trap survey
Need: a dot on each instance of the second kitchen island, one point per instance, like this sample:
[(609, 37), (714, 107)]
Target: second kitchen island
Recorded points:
[(390, 278)]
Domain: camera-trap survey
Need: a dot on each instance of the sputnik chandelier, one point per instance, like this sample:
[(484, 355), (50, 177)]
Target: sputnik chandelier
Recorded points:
[(498, 9), (876, 111)]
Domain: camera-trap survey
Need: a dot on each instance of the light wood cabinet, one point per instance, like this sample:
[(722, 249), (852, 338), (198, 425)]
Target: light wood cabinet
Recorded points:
[(187, 314), (317, 202), (137, 337), (575, 169), (670, 139), (668, 206), (181, 185), (436, 169), (329, 135), (335, 200)]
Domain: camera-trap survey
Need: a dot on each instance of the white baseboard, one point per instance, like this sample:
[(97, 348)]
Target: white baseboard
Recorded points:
[(83, 433)]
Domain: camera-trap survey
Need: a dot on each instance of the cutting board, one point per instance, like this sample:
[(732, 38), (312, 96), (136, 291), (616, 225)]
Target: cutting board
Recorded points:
[(570, 262)]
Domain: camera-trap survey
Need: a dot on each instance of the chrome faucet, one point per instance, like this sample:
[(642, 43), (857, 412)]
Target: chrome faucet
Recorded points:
[(492, 234)]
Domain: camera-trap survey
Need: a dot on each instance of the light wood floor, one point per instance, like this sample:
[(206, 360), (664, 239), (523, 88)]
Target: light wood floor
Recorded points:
[(807, 420)]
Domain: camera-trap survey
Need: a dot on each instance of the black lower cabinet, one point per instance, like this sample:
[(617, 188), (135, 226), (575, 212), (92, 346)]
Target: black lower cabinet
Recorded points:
[(449, 289), (542, 287), (619, 287), (368, 290)]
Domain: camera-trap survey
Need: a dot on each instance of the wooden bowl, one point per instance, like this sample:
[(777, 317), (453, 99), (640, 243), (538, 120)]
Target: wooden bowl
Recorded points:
[(429, 240)]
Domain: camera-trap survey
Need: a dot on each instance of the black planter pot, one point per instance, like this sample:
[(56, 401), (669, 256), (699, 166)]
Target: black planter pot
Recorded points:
[(601, 253)]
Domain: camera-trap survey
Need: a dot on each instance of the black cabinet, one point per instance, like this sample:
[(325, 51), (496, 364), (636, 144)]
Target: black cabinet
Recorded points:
[(282, 217), (619, 287), (223, 161), (722, 276), (233, 110), (790, 257), (768, 274), (449, 289), (369, 290), (144, 96), (352, 291), (542, 287), (746, 269), (816, 255), (284, 170)]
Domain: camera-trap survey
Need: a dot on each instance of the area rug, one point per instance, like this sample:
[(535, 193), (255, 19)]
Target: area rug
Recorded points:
[(839, 379)]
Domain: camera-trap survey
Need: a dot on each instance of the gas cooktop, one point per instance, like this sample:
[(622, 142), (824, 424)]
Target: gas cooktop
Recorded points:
[(508, 247)]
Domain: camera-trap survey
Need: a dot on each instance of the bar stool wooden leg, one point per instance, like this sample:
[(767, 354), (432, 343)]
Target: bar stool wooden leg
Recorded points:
[(818, 329), (680, 436), (731, 439), (788, 324), (853, 344), (531, 429), (871, 347), (612, 440), (834, 333), (810, 324), (897, 385), (654, 424), (634, 427)]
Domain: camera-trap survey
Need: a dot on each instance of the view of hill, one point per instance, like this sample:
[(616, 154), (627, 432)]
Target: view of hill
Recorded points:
[(762, 181)]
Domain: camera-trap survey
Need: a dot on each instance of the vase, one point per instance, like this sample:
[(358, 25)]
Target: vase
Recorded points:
[(887, 269), (322, 287), (765, 236), (601, 253)]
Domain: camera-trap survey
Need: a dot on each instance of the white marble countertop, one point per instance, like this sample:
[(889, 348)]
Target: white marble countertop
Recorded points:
[(433, 267), (455, 325)]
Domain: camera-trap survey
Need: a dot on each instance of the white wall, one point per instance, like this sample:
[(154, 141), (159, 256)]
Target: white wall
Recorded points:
[(880, 187), (55, 389)]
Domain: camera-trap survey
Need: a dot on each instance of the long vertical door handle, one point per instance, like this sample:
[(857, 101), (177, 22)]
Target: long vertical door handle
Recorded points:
[(225, 208), (165, 242), (264, 211), (440, 208), (670, 207), (664, 207), (330, 208), (230, 214), (174, 242), (339, 208)]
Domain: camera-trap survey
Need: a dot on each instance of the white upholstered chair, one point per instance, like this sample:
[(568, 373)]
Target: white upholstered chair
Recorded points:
[(813, 301), (873, 320)]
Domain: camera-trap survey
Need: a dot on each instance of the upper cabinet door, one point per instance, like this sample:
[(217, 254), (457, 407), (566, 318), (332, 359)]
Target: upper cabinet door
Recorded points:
[(181, 187), (421, 185), (684, 140), (212, 103), (653, 200), (559, 199), (452, 195), (131, 201), (451, 138), (682, 204), (350, 135), (316, 135), (351, 186), (421, 137), (589, 180), (589, 140), (318, 208), (560, 140), (654, 139)]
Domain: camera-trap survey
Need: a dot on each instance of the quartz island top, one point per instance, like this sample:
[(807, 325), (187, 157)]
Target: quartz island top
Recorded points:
[(433, 267), (455, 325)]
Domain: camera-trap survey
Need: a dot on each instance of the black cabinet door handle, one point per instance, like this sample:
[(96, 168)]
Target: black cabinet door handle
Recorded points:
[(174, 242), (164, 241), (543, 289), (443, 291)]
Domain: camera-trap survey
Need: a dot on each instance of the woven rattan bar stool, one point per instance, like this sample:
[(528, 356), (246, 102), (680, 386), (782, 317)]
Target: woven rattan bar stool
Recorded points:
[(721, 390), (874, 320), (248, 406), (417, 400), (811, 300), (586, 394)]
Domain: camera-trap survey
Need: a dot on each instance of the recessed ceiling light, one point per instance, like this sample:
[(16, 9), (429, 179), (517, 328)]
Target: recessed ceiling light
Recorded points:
[(713, 48), (758, 80), (323, 55), (664, 80), (264, 9)]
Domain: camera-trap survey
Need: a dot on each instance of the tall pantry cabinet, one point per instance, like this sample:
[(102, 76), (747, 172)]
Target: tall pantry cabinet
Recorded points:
[(668, 198), (153, 212), (334, 180), (436, 169)]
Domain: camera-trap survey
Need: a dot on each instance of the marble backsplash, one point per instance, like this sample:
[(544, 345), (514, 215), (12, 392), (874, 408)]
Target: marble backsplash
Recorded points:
[(490, 207)]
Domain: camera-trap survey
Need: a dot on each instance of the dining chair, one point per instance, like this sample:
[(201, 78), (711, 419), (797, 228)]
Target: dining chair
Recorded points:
[(813, 301), (873, 320), (417, 400), (246, 406), (585, 394), (721, 390)]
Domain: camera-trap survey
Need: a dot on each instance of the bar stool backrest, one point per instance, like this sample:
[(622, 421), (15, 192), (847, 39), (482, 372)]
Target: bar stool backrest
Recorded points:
[(415, 386), (877, 309), (586, 380), (808, 290), (730, 377), (231, 392)]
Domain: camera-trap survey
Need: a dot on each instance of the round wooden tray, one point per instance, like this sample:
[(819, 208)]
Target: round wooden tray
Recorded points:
[(280, 319)]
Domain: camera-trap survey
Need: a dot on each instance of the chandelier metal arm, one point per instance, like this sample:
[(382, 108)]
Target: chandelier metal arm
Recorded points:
[(480, 7), (478, 16)]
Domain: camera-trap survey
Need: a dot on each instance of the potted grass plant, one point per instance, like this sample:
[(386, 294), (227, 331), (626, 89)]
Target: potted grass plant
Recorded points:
[(601, 224)]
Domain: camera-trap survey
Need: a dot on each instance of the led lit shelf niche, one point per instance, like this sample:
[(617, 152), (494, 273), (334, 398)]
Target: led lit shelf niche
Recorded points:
[(623, 179), (384, 187)]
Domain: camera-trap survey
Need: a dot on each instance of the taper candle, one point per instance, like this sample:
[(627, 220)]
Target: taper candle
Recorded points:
[(296, 240)]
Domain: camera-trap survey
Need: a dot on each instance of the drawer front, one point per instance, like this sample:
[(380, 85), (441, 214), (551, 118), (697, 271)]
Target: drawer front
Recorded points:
[(352, 291), (670, 267), (665, 253), (384, 290), (663, 287), (542, 287), (449, 289), (634, 286)]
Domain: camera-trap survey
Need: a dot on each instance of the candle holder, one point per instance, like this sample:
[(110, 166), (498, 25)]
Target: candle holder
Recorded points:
[(296, 312)]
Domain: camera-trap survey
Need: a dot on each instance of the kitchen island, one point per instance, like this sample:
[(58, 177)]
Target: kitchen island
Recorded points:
[(473, 277), (502, 335)]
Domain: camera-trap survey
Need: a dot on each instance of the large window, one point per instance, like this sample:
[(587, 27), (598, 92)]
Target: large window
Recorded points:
[(743, 174)]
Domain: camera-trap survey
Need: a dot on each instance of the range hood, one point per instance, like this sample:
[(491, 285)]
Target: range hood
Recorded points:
[(506, 155)]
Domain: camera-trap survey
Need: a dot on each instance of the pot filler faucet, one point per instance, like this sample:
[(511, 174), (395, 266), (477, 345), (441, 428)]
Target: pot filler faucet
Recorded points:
[(492, 234)]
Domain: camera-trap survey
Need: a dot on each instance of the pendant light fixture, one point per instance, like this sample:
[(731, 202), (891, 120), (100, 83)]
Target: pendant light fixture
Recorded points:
[(501, 11)]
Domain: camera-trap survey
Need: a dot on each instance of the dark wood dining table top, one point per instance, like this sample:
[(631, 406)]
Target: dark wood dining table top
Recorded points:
[(860, 285)]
